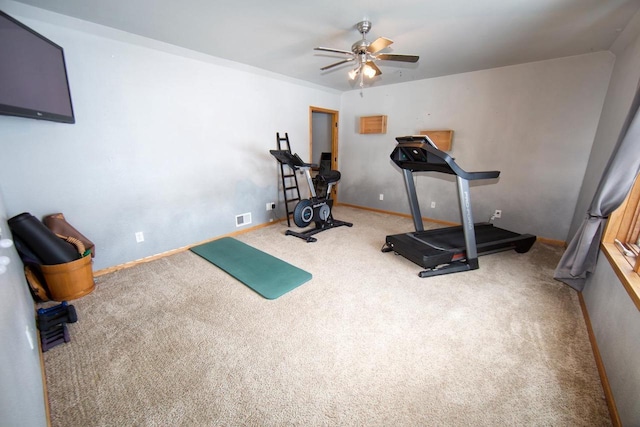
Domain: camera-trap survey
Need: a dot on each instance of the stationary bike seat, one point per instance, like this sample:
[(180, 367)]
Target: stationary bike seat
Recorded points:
[(329, 176)]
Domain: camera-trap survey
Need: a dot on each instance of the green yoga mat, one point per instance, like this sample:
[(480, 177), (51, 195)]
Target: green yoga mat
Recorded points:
[(265, 274)]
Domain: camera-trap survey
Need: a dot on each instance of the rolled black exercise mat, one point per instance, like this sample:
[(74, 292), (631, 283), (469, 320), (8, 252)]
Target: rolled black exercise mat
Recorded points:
[(48, 247)]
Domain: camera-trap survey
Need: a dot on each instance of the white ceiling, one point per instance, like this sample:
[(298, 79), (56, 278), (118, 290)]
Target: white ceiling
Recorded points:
[(451, 36)]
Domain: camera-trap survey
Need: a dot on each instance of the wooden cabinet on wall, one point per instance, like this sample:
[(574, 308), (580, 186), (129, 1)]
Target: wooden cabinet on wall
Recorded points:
[(442, 138), (373, 124)]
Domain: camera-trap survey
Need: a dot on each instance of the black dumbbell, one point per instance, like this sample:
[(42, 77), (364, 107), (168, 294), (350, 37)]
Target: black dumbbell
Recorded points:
[(52, 316), (58, 334)]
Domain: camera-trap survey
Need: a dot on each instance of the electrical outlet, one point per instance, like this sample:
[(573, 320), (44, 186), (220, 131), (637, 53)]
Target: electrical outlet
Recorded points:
[(433, 205), (497, 213), (381, 196), (271, 206), (139, 236)]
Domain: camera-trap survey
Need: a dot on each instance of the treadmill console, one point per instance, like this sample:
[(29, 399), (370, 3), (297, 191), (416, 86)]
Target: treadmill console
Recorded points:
[(417, 138), (418, 153)]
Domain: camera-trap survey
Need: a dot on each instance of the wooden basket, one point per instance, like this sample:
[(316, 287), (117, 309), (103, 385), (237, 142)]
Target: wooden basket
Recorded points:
[(70, 280)]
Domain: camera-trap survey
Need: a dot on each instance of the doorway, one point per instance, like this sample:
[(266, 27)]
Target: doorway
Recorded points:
[(323, 138)]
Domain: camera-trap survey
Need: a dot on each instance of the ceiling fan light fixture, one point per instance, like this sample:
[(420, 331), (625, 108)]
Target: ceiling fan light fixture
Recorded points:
[(369, 71), (364, 53)]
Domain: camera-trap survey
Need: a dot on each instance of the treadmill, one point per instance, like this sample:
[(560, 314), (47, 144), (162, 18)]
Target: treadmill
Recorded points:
[(450, 249)]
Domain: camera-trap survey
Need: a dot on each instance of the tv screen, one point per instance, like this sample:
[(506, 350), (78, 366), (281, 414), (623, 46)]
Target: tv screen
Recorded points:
[(33, 75)]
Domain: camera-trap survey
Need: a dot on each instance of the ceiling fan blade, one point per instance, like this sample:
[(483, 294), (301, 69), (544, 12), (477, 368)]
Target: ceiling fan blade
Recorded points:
[(397, 57), (379, 44), (375, 67), (336, 64), (328, 49)]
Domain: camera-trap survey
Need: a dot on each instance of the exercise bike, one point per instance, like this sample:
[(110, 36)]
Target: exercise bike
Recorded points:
[(316, 209)]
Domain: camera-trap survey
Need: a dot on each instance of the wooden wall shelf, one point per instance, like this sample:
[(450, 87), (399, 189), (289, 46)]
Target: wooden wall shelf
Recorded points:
[(442, 138), (373, 124)]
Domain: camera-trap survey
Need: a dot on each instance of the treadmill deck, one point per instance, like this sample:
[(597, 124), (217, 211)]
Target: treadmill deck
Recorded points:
[(431, 248)]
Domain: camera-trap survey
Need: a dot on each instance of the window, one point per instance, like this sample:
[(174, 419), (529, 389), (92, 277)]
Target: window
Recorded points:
[(621, 242), (624, 226)]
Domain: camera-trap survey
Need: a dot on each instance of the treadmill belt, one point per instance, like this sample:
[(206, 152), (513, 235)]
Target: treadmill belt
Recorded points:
[(452, 238)]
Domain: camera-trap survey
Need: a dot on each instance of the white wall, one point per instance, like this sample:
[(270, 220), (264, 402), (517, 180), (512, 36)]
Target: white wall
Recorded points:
[(166, 141), (21, 389), (616, 325), (614, 316), (533, 122)]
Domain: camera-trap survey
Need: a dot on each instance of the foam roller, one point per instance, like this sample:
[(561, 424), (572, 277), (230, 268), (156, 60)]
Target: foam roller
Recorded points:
[(48, 247)]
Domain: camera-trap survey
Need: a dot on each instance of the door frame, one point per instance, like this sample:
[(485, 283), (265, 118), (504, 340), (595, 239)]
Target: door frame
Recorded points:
[(334, 141)]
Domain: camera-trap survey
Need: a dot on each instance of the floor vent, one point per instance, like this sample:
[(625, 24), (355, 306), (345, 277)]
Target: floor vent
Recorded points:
[(243, 219)]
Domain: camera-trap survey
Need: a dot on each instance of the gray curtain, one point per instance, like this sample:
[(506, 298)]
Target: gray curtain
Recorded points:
[(579, 260)]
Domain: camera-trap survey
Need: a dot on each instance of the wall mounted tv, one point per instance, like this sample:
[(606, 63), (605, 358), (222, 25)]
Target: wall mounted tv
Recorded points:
[(33, 74)]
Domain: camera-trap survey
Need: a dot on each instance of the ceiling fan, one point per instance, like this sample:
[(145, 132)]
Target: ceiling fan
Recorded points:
[(365, 53)]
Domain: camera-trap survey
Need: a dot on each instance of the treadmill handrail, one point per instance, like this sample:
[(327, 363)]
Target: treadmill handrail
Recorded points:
[(416, 153)]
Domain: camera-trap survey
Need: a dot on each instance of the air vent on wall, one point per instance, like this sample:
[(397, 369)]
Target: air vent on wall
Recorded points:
[(243, 219)]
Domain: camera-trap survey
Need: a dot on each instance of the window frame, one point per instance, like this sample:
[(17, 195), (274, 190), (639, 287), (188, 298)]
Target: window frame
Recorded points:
[(623, 225)]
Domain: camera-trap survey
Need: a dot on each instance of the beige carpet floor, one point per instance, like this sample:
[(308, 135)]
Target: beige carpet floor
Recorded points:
[(178, 342)]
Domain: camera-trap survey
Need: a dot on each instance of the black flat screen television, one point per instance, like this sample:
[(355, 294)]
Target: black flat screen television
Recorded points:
[(33, 74)]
